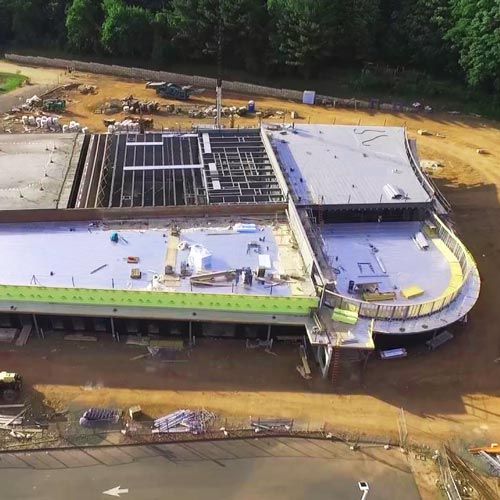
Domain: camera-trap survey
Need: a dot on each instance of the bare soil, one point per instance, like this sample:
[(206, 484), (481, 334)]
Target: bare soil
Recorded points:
[(453, 393)]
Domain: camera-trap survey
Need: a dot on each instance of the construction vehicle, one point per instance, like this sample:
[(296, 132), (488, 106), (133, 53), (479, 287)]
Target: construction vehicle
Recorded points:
[(10, 386), (174, 91), (54, 105)]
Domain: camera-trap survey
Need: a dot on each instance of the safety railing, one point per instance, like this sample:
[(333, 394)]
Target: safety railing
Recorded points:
[(415, 310)]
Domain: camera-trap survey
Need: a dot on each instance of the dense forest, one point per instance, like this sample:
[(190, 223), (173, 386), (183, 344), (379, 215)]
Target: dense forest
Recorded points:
[(456, 38)]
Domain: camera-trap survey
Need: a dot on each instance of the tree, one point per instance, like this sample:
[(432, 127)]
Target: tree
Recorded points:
[(476, 35), (127, 30), (194, 25), (412, 34), (162, 47), (244, 24), (28, 21), (303, 33), (83, 25), (355, 31), (55, 13), (5, 21)]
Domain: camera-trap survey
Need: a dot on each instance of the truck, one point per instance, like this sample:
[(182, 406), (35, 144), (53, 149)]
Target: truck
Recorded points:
[(174, 91)]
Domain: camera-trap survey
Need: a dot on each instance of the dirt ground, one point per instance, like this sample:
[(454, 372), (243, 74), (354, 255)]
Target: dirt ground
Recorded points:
[(453, 393)]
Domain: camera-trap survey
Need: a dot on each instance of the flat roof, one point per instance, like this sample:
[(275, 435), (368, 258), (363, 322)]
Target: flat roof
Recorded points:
[(385, 253), (33, 169), (348, 165), (82, 255)]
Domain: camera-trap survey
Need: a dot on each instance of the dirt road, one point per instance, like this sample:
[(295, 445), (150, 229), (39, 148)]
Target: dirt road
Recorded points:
[(453, 392)]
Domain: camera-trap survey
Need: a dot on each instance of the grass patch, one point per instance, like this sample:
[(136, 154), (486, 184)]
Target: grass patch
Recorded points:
[(11, 81)]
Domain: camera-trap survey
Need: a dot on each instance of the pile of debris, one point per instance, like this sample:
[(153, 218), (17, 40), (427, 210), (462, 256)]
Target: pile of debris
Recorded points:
[(131, 105), (17, 425), (211, 111), (195, 422), (127, 125), (94, 417), (88, 89), (272, 425), (110, 107)]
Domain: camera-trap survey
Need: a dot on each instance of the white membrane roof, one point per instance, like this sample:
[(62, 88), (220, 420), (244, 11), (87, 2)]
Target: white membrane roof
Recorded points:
[(83, 255), (348, 165), (385, 253)]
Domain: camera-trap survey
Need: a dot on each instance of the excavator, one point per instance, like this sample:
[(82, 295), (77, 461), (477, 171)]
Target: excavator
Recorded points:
[(10, 386)]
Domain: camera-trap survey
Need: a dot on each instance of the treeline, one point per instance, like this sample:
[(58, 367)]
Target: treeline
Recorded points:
[(272, 37)]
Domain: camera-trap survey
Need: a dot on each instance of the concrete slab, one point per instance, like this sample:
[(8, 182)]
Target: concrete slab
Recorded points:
[(33, 169), (74, 458), (178, 452)]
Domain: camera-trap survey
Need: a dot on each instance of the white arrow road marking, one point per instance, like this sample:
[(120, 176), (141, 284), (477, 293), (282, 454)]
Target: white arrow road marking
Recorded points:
[(115, 492)]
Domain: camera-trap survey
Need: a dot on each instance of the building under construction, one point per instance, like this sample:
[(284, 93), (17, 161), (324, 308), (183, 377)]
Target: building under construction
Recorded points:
[(331, 233)]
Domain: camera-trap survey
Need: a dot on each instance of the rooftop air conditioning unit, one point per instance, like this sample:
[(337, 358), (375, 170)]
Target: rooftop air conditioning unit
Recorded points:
[(394, 192)]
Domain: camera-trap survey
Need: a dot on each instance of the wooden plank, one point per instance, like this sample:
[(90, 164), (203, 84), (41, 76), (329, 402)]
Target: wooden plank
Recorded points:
[(305, 362), (172, 249), (24, 335)]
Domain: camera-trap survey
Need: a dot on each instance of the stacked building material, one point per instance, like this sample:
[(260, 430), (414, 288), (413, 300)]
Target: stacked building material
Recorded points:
[(195, 422), (6, 420), (491, 455), (274, 425), (99, 416)]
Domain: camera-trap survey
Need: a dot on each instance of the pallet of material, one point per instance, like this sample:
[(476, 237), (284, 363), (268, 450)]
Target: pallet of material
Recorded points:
[(376, 296), (493, 448), (412, 291), (343, 316), (135, 273)]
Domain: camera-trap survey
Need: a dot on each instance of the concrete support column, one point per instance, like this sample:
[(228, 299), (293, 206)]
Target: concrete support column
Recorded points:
[(190, 334), (268, 333)]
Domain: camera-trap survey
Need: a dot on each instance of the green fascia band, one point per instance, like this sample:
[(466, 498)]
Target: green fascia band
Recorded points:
[(300, 306)]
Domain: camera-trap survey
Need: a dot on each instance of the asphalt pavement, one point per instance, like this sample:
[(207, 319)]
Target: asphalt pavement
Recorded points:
[(268, 468)]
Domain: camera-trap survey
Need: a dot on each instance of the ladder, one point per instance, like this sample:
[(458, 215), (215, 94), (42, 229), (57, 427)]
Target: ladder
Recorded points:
[(336, 365)]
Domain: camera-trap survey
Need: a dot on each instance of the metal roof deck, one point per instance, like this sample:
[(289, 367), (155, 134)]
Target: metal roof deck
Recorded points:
[(348, 165)]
